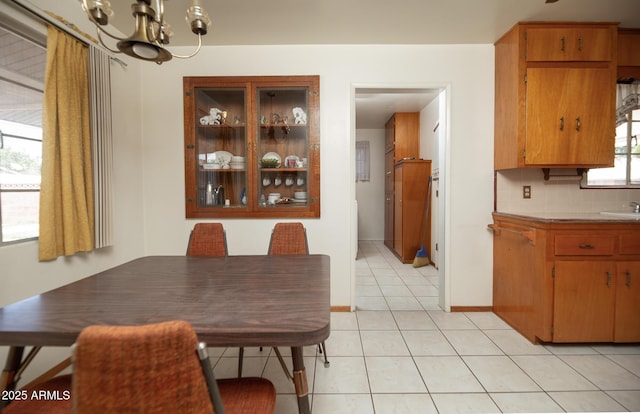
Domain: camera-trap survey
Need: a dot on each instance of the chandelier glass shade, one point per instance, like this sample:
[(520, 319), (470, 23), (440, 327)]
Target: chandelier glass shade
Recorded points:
[(152, 32)]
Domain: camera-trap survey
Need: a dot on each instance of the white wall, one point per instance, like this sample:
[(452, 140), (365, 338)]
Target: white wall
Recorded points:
[(556, 196), (471, 147), (370, 194)]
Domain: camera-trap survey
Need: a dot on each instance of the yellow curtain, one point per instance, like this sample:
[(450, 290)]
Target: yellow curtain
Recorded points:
[(66, 190)]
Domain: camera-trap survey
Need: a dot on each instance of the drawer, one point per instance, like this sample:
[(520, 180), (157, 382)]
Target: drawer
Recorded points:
[(587, 245), (569, 44), (630, 244)]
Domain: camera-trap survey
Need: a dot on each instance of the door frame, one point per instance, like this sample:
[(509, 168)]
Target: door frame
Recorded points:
[(444, 209)]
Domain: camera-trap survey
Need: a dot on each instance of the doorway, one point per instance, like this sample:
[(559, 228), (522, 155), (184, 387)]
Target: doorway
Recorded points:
[(371, 108)]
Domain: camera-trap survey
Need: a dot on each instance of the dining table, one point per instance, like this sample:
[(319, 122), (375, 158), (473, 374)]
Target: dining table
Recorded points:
[(231, 301)]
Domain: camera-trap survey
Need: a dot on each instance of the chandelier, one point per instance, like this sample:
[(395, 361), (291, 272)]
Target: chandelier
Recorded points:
[(152, 32)]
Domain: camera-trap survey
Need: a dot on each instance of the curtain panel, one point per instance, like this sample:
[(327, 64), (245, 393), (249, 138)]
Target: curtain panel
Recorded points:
[(102, 145), (66, 195)]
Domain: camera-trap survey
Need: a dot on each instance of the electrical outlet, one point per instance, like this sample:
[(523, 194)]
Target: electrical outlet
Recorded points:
[(526, 191)]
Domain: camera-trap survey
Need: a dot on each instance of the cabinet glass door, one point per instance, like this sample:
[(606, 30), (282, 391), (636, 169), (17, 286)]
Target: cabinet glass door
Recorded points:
[(282, 147), (221, 148)]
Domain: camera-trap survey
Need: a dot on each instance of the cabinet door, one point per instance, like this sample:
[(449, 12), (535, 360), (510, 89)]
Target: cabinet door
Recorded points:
[(584, 299), (629, 47), (627, 322), (283, 146), (569, 44), (216, 160), (569, 117), (407, 135), (398, 194), (390, 134), (388, 199)]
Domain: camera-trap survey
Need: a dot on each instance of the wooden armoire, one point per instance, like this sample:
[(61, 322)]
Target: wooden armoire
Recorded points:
[(406, 182)]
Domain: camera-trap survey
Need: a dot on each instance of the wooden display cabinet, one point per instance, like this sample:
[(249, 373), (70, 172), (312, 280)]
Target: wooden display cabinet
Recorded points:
[(252, 147), (555, 96)]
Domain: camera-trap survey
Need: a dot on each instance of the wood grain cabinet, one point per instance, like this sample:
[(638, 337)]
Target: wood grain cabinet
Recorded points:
[(568, 280), (555, 96), (628, 53), (411, 182), (402, 141), (252, 147)]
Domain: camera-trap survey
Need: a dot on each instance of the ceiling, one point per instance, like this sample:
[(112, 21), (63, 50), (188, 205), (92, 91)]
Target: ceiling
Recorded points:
[(277, 22), (285, 22)]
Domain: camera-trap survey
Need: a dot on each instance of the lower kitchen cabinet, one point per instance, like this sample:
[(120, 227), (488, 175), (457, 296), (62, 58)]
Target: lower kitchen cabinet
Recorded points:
[(583, 301), (568, 280), (627, 310)]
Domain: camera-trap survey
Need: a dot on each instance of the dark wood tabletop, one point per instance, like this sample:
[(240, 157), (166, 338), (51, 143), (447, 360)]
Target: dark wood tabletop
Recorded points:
[(230, 301)]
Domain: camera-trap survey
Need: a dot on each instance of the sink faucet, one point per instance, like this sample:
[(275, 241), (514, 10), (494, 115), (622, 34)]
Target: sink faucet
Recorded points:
[(636, 206)]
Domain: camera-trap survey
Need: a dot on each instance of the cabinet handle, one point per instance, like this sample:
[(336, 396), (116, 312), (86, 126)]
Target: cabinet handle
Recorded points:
[(578, 124), (580, 43), (388, 173), (587, 246), (562, 124), (628, 282), (528, 234), (608, 279), (562, 43)]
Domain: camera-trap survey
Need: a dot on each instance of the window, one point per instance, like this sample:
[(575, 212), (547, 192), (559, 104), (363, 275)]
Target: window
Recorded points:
[(626, 170), (362, 161), (22, 68)]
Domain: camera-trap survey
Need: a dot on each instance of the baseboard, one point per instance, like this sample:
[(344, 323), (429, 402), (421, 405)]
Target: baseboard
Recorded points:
[(341, 309), (472, 309)]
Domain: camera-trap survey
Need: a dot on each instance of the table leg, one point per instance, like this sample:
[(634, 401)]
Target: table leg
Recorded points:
[(300, 380), (11, 366)]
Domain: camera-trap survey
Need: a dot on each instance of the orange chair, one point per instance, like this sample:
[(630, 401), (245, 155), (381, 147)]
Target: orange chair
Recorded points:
[(207, 239), (157, 368), (291, 239), (287, 239)]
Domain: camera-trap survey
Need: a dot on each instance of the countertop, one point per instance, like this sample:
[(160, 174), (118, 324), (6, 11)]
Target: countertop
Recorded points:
[(564, 217)]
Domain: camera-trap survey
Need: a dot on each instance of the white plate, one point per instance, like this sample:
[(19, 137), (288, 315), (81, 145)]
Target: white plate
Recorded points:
[(298, 200), (271, 156), (223, 157)]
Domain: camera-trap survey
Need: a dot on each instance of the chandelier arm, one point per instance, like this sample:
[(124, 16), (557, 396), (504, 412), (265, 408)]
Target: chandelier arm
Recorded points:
[(195, 52), (98, 26), (99, 29), (105, 45)]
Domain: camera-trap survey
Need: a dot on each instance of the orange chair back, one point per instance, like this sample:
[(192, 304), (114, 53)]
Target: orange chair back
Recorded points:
[(288, 239), (207, 239), (139, 369)]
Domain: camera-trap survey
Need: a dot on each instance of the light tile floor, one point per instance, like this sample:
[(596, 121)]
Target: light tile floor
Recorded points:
[(400, 353)]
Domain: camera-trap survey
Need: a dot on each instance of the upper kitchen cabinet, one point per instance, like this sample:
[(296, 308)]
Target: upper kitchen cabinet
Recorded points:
[(252, 147), (555, 96), (629, 53)]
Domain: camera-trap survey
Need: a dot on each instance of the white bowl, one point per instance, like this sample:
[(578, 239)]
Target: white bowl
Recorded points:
[(300, 195), (237, 158)]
